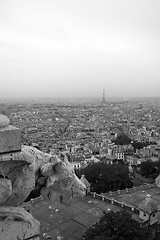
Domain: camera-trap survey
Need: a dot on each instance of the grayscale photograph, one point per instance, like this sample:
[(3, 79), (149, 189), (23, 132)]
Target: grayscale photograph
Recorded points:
[(79, 119)]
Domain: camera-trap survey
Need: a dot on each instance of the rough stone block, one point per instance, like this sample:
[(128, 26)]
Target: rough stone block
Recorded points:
[(16, 223), (10, 139)]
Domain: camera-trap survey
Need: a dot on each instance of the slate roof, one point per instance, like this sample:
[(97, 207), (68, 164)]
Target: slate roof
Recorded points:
[(148, 206)]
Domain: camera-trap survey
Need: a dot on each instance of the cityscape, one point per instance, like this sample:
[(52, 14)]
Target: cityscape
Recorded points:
[(80, 120), (123, 134), (86, 129)]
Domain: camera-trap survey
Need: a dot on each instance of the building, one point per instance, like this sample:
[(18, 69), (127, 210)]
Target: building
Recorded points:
[(118, 152), (149, 214)]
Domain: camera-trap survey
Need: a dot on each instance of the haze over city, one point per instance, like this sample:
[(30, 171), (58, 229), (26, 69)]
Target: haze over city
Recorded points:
[(77, 48)]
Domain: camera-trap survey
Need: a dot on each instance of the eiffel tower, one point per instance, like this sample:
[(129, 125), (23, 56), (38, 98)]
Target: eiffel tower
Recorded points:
[(103, 98)]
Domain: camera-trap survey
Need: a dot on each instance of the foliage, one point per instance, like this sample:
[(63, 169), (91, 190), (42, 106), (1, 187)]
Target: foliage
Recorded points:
[(149, 169), (116, 226), (122, 139), (138, 180), (105, 177), (140, 145)]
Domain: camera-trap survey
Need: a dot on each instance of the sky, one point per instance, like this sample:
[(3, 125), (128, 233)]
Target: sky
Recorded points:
[(77, 48)]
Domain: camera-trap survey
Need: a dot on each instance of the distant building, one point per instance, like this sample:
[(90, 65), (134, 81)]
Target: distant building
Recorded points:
[(118, 152), (76, 165), (103, 98), (132, 160)]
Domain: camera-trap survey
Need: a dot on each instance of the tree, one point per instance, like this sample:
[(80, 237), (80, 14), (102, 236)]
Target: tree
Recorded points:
[(105, 177), (116, 226), (148, 169), (122, 139), (139, 145)]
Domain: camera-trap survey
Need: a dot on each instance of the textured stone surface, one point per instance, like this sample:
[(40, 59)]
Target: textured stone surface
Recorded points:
[(157, 181), (10, 139), (63, 184), (40, 158), (4, 121), (5, 189), (50, 174), (19, 156), (23, 182), (47, 169), (16, 223)]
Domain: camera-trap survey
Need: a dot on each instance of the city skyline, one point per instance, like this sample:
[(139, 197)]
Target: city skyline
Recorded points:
[(78, 48)]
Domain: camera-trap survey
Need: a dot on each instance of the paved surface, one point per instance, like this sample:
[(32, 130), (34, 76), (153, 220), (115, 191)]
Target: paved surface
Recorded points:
[(137, 197), (70, 221)]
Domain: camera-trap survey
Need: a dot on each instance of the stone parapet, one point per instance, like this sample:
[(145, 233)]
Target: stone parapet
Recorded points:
[(10, 139), (16, 156)]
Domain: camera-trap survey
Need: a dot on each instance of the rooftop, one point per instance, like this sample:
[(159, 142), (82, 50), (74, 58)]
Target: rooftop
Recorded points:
[(69, 221), (148, 205), (137, 197)]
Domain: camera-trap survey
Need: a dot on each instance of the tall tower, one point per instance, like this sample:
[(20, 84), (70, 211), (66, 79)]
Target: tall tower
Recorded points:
[(103, 98)]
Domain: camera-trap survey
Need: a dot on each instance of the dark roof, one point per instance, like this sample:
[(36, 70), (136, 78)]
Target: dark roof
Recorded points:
[(148, 206)]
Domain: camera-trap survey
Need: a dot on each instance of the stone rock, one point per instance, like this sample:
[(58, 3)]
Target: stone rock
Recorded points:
[(47, 169), (16, 157), (23, 182), (24, 175), (16, 223), (4, 121), (10, 139), (5, 189)]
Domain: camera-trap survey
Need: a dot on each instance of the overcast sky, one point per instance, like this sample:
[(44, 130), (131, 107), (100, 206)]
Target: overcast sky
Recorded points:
[(69, 48)]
